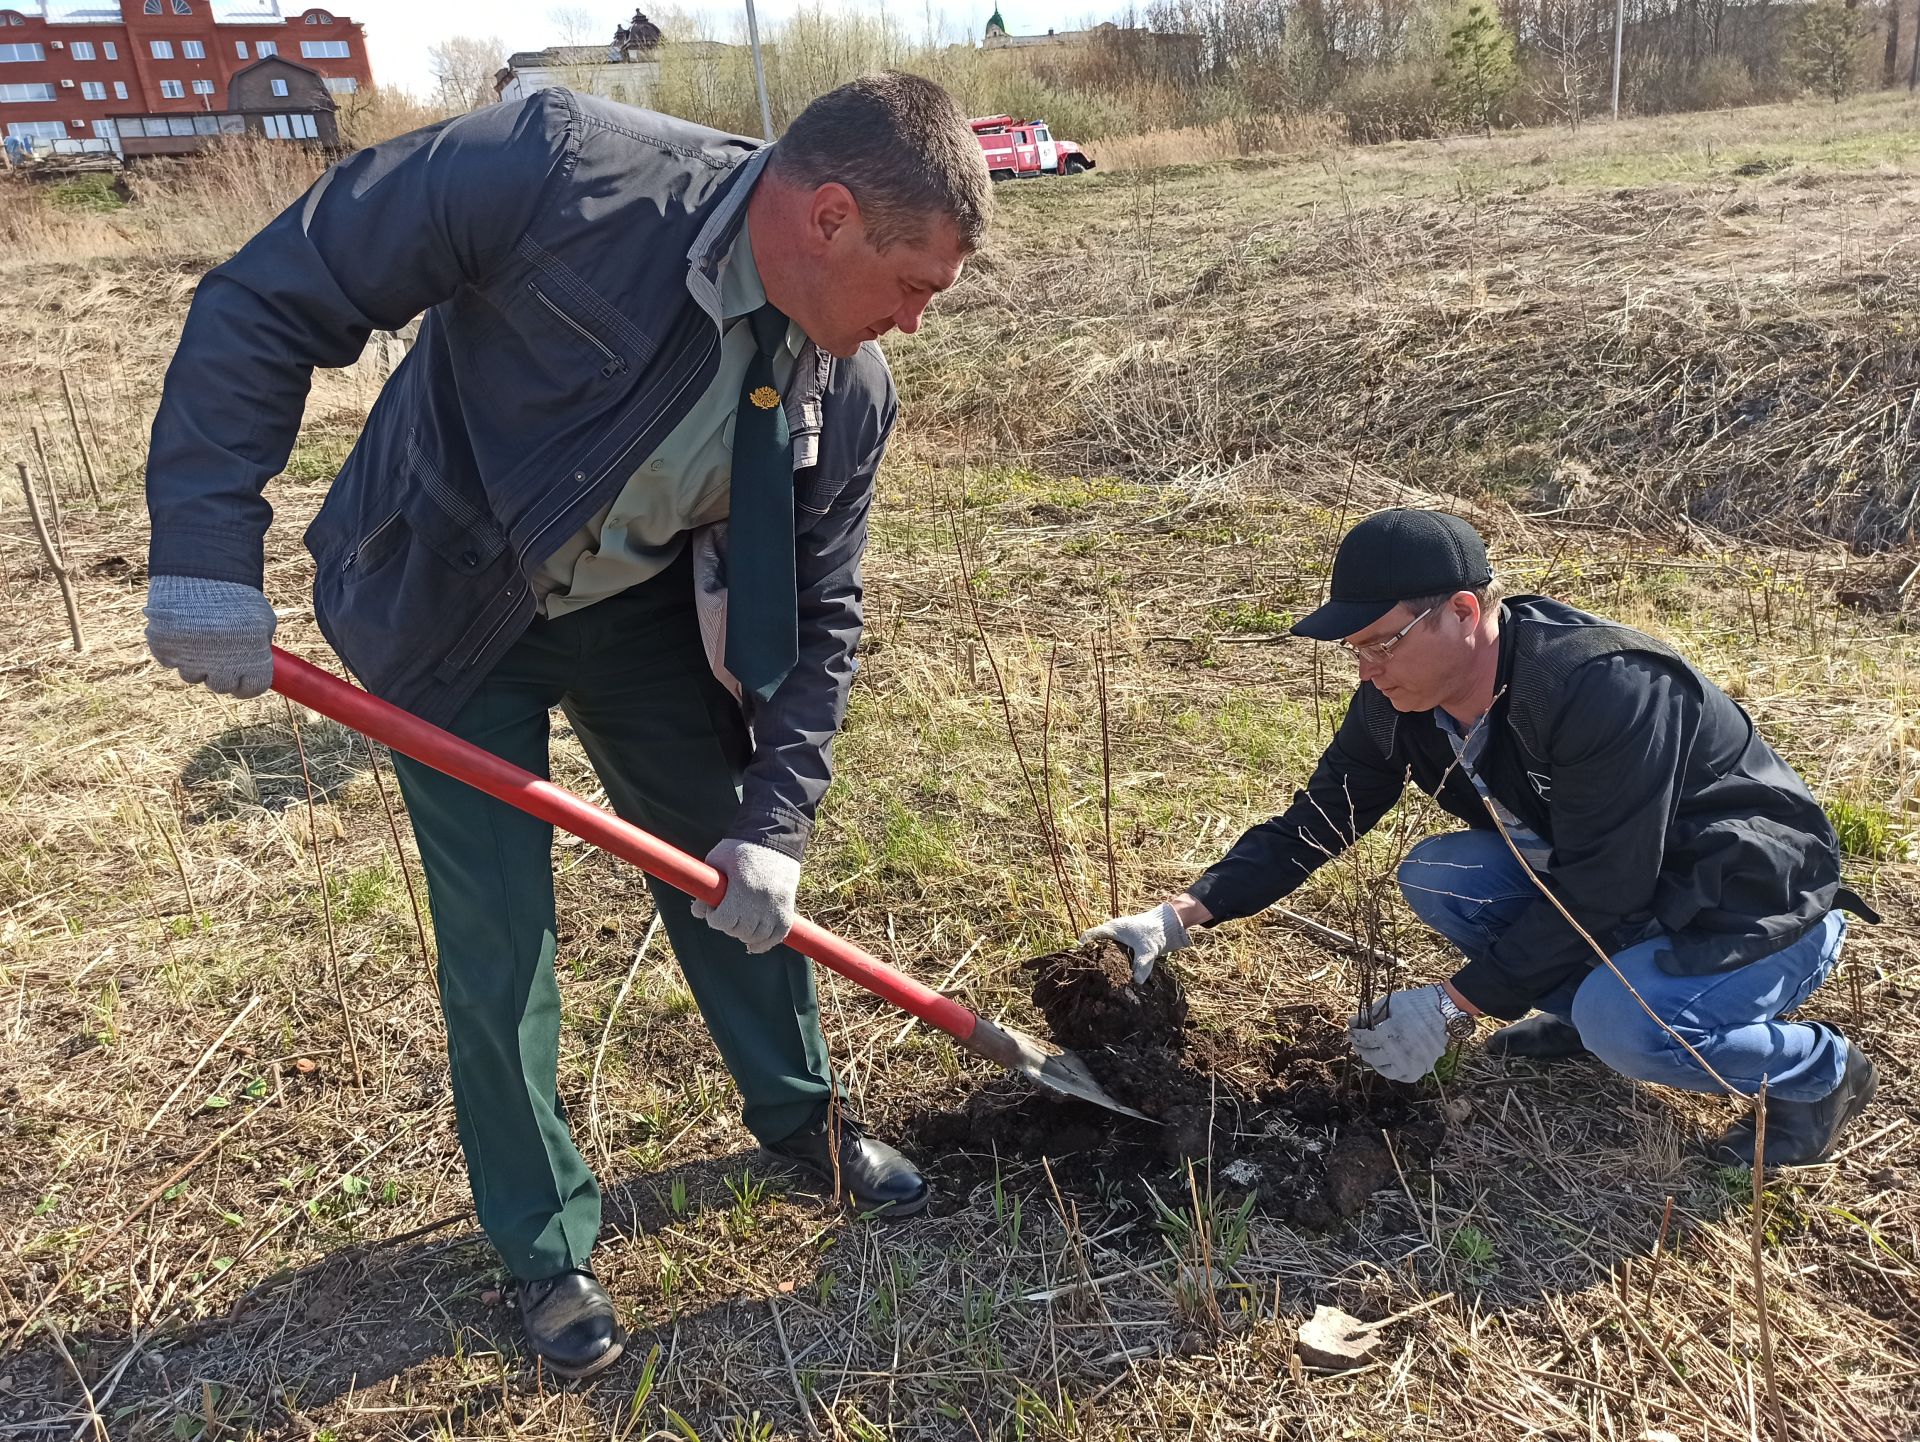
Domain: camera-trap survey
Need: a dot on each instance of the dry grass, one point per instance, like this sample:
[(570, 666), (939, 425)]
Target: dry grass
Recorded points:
[(1257, 136), (228, 1237)]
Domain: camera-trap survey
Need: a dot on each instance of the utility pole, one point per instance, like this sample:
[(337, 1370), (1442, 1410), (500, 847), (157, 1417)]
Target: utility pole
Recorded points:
[(1619, 29), (1913, 71), (759, 72)]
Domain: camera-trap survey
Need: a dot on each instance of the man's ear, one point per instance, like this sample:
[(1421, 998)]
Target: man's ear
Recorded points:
[(832, 209), (1466, 606)]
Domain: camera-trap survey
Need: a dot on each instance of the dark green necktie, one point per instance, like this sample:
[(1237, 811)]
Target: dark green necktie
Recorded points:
[(763, 628)]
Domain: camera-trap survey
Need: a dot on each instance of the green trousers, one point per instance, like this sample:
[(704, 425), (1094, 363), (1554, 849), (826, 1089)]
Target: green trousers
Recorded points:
[(670, 745)]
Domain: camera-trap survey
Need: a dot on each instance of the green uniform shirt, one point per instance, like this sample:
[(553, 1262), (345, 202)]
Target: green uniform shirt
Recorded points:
[(683, 485)]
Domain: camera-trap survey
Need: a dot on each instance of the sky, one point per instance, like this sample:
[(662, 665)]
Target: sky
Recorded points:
[(399, 31)]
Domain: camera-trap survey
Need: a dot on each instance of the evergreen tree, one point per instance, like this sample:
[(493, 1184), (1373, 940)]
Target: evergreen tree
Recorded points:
[(1478, 72), (1829, 47)]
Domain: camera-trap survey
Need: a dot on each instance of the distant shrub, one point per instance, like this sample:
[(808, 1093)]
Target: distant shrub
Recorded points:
[(1398, 104), (99, 193), (1721, 83)]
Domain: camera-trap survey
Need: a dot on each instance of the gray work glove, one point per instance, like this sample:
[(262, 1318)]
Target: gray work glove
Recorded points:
[(1147, 936), (1406, 1036), (214, 633), (758, 909)]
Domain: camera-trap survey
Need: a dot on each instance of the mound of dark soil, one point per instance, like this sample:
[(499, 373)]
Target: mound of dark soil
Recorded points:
[(1277, 1106)]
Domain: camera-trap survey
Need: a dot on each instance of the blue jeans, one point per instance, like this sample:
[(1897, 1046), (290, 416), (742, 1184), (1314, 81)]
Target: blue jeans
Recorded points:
[(1468, 887)]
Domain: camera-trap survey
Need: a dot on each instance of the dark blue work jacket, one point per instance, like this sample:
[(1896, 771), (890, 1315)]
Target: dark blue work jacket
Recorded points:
[(565, 252)]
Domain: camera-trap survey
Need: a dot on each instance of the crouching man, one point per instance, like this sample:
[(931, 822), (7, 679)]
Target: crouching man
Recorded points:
[(1633, 789)]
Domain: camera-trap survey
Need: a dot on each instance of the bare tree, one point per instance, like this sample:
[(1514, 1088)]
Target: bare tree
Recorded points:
[(463, 68), (575, 25)]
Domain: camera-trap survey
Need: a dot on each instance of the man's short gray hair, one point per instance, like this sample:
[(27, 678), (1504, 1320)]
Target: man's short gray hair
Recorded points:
[(902, 146), (1489, 597)]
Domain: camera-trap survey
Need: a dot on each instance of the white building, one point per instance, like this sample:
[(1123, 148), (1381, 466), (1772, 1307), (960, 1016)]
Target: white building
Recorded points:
[(627, 70)]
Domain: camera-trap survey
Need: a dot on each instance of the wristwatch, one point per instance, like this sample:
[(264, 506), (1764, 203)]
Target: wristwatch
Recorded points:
[(1460, 1024)]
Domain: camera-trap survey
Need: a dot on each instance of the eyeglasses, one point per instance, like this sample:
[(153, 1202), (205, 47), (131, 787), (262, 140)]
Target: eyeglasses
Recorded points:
[(1376, 653)]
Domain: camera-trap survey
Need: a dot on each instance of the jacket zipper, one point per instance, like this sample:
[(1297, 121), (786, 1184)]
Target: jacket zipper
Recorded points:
[(479, 648), (532, 547), (371, 536), (614, 366)]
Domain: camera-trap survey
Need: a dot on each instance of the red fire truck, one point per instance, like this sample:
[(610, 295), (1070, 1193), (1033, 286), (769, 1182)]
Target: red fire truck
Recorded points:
[(1017, 148)]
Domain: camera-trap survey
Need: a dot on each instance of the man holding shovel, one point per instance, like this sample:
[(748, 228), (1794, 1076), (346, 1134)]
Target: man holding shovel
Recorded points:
[(635, 329), (1603, 781)]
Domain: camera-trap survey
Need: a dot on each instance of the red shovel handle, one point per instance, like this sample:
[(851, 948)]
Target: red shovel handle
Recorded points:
[(426, 743)]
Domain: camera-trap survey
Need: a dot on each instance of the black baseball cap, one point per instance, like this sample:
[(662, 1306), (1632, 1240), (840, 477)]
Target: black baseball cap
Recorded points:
[(1387, 558)]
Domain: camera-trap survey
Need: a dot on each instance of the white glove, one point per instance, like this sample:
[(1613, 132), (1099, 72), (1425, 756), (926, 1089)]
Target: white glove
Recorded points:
[(758, 909), (1147, 936), (1406, 1042)]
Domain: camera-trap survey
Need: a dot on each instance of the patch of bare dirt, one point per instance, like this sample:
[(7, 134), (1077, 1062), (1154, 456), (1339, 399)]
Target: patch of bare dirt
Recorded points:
[(1278, 1108)]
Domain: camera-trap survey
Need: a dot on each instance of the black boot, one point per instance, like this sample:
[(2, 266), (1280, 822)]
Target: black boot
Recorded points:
[(1542, 1037), (1802, 1133), (569, 1321), (871, 1174)]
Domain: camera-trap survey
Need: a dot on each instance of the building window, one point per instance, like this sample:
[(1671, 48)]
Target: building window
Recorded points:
[(203, 87), (290, 127), (37, 129), (110, 50), (343, 84), (19, 93), (193, 49), (119, 90), (324, 49), (264, 48), (173, 90), (81, 50), (318, 17), (21, 54), (240, 48), (152, 7), (181, 7), (162, 49), (93, 90), (279, 87)]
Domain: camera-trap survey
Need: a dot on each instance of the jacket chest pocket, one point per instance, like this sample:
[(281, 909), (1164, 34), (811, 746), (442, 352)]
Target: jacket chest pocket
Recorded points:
[(612, 363), (567, 314), (456, 529)]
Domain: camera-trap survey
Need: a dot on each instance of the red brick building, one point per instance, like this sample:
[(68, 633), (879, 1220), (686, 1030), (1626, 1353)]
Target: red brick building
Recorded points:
[(80, 73)]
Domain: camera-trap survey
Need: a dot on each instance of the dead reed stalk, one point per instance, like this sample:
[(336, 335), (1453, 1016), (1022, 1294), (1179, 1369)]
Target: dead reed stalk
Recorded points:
[(55, 560), (1761, 1316), (406, 875), (53, 487), (79, 440), (1041, 814), (1106, 781), (326, 898)]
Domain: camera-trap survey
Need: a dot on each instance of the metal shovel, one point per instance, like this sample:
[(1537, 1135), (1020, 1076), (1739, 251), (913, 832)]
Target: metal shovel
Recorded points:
[(315, 689)]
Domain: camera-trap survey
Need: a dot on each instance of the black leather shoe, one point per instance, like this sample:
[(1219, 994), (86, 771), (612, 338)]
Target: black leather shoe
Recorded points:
[(569, 1322), (871, 1174), (1802, 1133), (1542, 1037)]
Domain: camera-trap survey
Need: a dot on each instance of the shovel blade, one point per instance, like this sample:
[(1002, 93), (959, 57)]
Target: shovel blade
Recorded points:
[(1060, 1072)]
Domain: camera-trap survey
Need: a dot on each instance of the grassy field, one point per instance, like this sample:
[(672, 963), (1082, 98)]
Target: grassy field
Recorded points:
[(1669, 367)]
